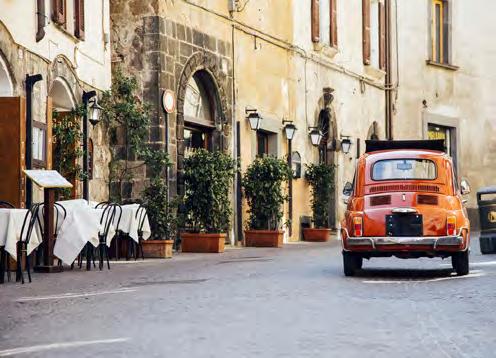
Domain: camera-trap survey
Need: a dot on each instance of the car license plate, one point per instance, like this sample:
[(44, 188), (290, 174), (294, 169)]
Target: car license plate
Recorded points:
[(404, 225)]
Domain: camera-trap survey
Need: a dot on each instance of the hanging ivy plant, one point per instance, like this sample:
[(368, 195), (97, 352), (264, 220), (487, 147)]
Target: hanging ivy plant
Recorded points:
[(128, 122), (67, 152)]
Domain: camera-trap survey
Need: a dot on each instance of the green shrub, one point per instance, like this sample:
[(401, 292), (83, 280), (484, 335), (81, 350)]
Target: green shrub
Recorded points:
[(263, 189), (208, 178), (321, 179)]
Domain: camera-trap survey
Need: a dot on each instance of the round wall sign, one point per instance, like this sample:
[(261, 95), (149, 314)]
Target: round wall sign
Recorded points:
[(169, 101)]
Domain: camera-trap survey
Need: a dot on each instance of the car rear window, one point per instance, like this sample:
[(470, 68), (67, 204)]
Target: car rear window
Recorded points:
[(404, 169)]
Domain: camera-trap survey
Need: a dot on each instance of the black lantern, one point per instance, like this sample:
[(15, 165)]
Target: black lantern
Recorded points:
[(290, 130), (316, 136), (254, 118), (346, 145), (94, 112)]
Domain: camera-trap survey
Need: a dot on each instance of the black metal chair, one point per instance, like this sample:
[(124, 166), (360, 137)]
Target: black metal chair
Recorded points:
[(112, 213), (6, 205), (140, 215), (31, 219), (61, 213)]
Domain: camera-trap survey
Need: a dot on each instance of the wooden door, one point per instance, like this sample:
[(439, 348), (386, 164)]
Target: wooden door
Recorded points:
[(12, 150)]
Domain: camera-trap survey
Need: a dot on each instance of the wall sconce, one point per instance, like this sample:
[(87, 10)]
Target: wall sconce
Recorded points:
[(315, 135), (289, 129), (254, 118), (346, 144)]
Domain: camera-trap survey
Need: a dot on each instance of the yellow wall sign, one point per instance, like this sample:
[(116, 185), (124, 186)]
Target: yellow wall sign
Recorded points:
[(492, 216)]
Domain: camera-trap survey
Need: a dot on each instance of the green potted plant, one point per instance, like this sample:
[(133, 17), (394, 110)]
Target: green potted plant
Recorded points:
[(161, 211), (263, 189), (208, 178), (321, 180)]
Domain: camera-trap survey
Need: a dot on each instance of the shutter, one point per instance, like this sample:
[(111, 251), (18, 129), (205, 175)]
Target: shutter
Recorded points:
[(334, 23), (366, 31), (79, 15), (315, 21), (59, 12), (382, 36)]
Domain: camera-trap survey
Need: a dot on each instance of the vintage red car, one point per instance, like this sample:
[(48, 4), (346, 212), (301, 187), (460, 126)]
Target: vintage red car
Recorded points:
[(405, 201)]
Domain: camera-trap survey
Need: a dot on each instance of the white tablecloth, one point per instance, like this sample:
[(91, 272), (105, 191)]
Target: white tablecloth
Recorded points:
[(11, 221), (81, 225), (129, 223)]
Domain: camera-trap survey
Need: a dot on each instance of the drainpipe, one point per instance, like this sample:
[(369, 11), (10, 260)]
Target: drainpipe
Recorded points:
[(30, 82), (40, 13), (389, 85)]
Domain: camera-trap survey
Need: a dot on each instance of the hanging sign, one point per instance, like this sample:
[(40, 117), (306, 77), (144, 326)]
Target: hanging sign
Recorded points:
[(169, 101)]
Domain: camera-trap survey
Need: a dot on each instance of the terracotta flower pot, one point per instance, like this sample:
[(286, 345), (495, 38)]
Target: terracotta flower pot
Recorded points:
[(158, 249), (316, 235), (264, 238), (202, 243)]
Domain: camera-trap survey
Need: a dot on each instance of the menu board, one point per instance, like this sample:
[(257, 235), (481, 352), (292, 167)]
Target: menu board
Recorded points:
[(48, 178)]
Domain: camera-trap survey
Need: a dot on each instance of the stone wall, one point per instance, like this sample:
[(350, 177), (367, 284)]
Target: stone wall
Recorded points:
[(164, 54)]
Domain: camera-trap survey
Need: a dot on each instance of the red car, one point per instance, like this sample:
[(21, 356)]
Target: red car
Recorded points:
[(405, 201)]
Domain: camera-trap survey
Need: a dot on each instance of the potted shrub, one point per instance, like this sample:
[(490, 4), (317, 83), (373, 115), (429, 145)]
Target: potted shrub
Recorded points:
[(321, 180), (263, 189), (161, 211), (208, 178), (162, 220)]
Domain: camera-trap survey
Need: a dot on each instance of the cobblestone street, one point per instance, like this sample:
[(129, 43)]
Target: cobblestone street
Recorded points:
[(292, 302)]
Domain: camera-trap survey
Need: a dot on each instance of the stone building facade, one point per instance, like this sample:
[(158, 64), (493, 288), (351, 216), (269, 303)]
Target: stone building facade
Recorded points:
[(71, 57), (258, 56)]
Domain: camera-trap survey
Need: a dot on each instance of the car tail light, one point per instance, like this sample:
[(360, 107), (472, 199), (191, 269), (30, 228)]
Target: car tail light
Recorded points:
[(451, 226), (357, 226)]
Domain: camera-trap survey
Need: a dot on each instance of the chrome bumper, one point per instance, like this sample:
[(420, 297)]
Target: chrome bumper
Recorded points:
[(407, 241)]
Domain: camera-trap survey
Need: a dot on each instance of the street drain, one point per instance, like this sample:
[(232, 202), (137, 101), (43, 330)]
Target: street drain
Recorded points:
[(245, 259), (169, 282)]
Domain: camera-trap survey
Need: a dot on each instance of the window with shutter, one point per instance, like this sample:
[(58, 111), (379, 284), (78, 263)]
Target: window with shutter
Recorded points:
[(315, 21), (440, 31), (382, 36), (79, 16), (334, 23), (59, 11), (366, 31)]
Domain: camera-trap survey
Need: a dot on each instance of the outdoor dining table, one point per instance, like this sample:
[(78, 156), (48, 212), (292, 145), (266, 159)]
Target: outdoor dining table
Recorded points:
[(81, 226), (130, 221), (11, 221)]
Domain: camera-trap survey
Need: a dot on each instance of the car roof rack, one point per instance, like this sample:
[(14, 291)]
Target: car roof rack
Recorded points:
[(376, 145)]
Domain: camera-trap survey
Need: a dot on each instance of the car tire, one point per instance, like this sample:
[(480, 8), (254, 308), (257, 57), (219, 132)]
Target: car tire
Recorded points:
[(351, 263), (460, 262)]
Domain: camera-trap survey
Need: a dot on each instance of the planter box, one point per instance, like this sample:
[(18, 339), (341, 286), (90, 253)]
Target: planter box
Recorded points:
[(264, 238), (316, 235), (202, 243), (158, 249)]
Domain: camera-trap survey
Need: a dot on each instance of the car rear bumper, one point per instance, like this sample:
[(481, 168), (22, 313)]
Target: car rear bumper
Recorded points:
[(434, 242), (453, 243)]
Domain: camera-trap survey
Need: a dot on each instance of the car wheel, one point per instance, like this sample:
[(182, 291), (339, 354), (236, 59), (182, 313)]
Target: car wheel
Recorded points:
[(460, 262), (351, 263)]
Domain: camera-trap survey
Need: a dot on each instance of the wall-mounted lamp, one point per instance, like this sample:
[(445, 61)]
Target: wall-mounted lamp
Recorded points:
[(315, 135), (289, 129), (254, 118), (94, 112), (346, 144)]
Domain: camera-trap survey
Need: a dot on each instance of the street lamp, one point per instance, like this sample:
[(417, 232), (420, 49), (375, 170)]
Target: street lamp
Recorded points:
[(346, 144), (92, 114), (289, 129), (315, 136), (254, 118)]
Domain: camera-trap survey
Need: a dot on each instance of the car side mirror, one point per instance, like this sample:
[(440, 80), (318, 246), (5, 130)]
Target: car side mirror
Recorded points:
[(348, 189), (465, 187)]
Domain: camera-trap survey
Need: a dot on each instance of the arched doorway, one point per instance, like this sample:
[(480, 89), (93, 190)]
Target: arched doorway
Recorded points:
[(327, 150), (201, 110), (6, 85), (62, 98)]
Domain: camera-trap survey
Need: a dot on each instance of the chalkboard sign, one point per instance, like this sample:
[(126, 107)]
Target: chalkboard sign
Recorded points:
[(48, 178)]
